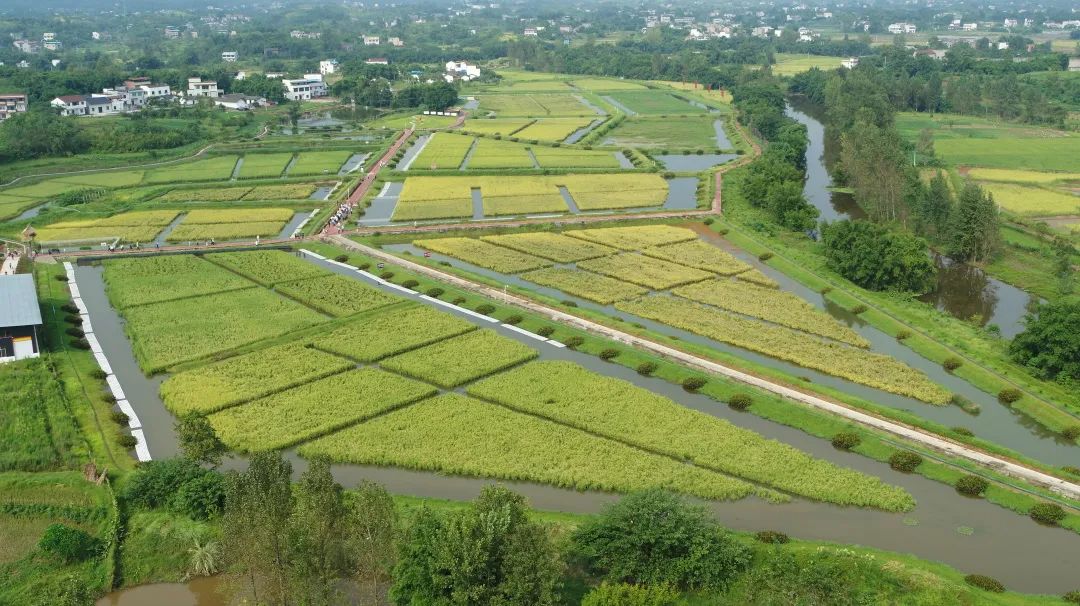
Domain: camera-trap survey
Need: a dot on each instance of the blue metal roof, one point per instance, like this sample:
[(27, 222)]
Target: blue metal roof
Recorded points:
[(18, 301)]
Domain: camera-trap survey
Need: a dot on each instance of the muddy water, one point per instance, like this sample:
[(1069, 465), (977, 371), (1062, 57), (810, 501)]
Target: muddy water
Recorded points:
[(1039, 555)]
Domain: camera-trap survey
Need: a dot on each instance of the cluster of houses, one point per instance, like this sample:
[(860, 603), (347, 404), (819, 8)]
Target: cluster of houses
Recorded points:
[(460, 70), (48, 42)]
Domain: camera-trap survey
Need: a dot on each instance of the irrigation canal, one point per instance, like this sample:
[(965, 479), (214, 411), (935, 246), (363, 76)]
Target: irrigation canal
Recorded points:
[(968, 534)]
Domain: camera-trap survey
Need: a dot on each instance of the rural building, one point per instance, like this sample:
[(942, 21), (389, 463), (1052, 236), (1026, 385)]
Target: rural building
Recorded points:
[(377, 61), (20, 318), (902, 28), (229, 56), (27, 46), (239, 102), (371, 40), (850, 63), (70, 105), (197, 87), (395, 41), (304, 88), (172, 32), (460, 70), (10, 104), (1074, 64), (328, 66)]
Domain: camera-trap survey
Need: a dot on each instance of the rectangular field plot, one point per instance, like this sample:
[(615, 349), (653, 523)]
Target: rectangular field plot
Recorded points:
[(1061, 153), (601, 192), (237, 215), (656, 274), (225, 231), (1033, 201), (247, 377), (461, 359), (557, 247), (166, 334), (790, 64), (218, 168), (291, 191), (483, 254), (701, 255), (490, 153), (444, 150), (139, 226), (655, 102), (125, 178), (534, 105), (459, 435), (209, 194), (391, 332), (523, 205), (585, 284), (605, 84), (772, 305), (853, 364), (676, 133), (336, 295), (553, 129), (617, 409), (314, 409), (565, 157), (635, 238), (434, 198), (130, 282), (44, 189), (262, 166), (268, 267), (1034, 177), (496, 126), (152, 218), (755, 276), (318, 162)]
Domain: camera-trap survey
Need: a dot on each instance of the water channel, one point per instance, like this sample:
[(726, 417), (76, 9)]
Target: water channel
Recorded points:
[(936, 529), (963, 291)]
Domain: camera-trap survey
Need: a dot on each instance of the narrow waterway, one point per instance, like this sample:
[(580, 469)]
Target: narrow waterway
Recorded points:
[(963, 291), (936, 529)]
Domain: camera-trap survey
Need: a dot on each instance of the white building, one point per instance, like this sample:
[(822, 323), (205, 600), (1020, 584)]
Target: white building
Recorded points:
[(70, 105), (105, 105), (850, 63), (902, 28), (460, 70), (328, 66), (239, 102), (11, 104), (47, 36), (27, 46), (197, 87), (970, 27), (229, 56), (301, 35), (371, 40), (304, 88), (395, 41), (172, 32)]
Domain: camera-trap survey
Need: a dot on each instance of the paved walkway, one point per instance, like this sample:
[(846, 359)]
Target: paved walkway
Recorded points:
[(369, 179), (929, 440)]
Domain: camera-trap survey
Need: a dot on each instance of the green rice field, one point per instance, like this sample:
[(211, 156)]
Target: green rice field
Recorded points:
[(677, 133), (654, 102)]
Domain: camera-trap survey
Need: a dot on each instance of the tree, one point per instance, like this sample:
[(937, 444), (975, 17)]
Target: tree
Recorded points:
[(198, 440), (294, 114), (878, 258), (1050, 343), (656, 538), (622, 594), (317, 535), (372, 532), (68, 544), (490, 554), (974, 230), (875, 163), (255, 527), (933, 207)]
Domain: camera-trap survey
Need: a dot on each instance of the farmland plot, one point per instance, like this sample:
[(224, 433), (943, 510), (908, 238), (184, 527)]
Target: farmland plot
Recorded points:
[(267, 267), (238, 215), (247, 377), (553, 129), (495, 126), (336, 295), (850, 363), (318, 162), (218, 194), (461, 359), (644, 271), (166, 334), (483, 254), (262, 166), (617, 409), (13, 206), (684, 132), (434, 198), (523, 205), (459, 435), (601, 192), (314, 409), (106, 179), (140, 226), (556, 247), (130, 282), (585, 284), (444, 150), (218, 168), (1033, 201), (490, 153), (225, 231), (391, 332), (655, 102), (635, 238), (566, 157), (755, 276), (700, 255)]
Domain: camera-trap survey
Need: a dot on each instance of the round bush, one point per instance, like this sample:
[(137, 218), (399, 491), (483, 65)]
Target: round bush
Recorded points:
[(1073, 597), (80, 344), (435, 293), (971, 486), (341, 258), (722, 232), (984, 582), (646, 368), (513, 319), (364, 266), (825, 290), (60, 277), (98, 374), (485, 308), (1070, 469), (951, 364), (70, 308), (569, 303), (111, 399), (1071, 432), (119, 417), (765, 256), (73, 319), (962, 431), (386, 275), (858, 309), (546, 331), (905, 461), (127, 442), (708, 221), (774, 537), (573, 342), (458, 300), (846, 440), (609, 354), (694, 383), (411, 284), (1009, 395), (903, 334), (68, 544), (1050, 514), (740, 401)]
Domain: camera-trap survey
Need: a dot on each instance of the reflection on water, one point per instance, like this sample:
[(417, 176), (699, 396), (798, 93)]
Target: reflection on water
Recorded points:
[(200, 591), (822, 152)]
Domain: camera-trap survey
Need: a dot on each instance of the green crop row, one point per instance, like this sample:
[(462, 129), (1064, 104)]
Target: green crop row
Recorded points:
[(617, 409), (856, 365), (267, 267), (443, 150), (336, 295), (320, 407), (264, 165), (458, 435), (461, 359), (391, 332), (156, 279), (225, 231)]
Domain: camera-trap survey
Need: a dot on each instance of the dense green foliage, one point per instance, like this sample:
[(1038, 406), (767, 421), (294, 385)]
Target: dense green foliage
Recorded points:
[(68, 544), (878, 258), (1050, 344)]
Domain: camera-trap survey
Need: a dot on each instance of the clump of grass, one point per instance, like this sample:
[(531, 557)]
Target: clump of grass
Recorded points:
[(846, 440)]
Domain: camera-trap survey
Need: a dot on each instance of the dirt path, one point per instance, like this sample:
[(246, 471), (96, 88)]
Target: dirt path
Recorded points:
[(929, 440)]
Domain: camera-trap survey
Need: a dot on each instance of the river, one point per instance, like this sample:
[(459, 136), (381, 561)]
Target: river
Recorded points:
[(937, 529), (963, 291)]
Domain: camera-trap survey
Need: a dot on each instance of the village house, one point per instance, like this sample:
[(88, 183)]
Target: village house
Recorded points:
[(197, 87), (11, 104), (311, 86)]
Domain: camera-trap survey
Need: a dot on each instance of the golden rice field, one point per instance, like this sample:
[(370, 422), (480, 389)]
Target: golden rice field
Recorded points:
[(701, 255), (634, 238), (186, 232), (523, 205), (553, 129), (1033, 201), (1009, 175), (238, 215), (459, 360), (139, 226), (335, 295), (655, 274), (587, 285), (495, 126), (553, 246), (391, 332), (484, 254)]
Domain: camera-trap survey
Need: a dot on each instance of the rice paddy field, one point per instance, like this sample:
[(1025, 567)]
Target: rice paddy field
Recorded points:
[(534, 105), (496, 126), (290, 191), (654, 102), (1033, 200), (606, 84), (210, 169), (492, 153), (137, 226), (788, 64), (569, 157), (317, 163), (676, 133), (262, 166), (13, 206), (444, 150), (553, 129)]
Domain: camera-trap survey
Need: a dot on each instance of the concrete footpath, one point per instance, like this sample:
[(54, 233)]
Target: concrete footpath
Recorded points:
[(919, 436)]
